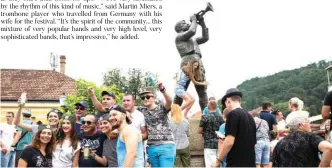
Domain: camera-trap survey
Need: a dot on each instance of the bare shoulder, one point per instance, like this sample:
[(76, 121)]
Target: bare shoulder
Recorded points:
[(130, 130)]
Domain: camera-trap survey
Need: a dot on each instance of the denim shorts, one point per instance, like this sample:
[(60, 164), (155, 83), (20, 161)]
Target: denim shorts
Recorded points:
[(179, 90), (262, 152)]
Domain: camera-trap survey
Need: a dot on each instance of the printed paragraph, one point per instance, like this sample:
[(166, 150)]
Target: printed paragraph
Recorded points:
[(79, 19)]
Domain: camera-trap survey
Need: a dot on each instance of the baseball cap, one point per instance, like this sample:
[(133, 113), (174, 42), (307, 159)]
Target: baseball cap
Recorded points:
[(82, 103), (104, 117), (27, 111), (148, 89), (108, 93), (122, 110), (230, 92)]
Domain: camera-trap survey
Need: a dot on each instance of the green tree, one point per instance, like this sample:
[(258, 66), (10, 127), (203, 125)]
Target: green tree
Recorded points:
[(82, 95), (132, 82), (309, 83)]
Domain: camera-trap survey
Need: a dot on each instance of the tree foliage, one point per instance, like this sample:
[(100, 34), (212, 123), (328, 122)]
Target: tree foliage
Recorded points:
[(308, 83), (132, 82), (82, 95)]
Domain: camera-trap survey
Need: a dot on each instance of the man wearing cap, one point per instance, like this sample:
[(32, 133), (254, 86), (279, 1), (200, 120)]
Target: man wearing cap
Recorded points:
[(161, 144), (239, 144), (108, 99), (81, 110), (25, 136), (93, 139), (129, 144)]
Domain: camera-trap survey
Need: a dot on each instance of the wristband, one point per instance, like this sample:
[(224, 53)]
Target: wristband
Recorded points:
[(219, 160), (162, 90)]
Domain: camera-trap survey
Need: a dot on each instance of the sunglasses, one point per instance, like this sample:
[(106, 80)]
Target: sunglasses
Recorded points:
[(79, 108), (147, 97), (87, 122)]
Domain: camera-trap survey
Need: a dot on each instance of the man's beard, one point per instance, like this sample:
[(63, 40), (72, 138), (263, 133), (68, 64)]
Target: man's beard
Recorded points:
[(117, 125)]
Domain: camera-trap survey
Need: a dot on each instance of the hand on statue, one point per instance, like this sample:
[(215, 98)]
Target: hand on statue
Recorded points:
[(91, 92)]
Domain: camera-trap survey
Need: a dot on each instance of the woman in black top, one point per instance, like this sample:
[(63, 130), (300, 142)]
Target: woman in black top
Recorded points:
[(39, 153)]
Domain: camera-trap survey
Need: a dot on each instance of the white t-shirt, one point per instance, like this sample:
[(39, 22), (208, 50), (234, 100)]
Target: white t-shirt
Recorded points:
[(63, 157), (138, 120), (7, 133), (281, 125), (273, 144), (295, 114)]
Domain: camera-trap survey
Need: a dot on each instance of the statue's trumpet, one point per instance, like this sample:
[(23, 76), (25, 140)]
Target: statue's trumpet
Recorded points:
[(201, 13)]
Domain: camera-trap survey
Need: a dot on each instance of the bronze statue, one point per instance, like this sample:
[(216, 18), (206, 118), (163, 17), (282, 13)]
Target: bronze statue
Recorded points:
[(188, 48)]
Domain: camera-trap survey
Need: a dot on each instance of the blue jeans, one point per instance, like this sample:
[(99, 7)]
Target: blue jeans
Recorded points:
[(162, 155), (262, 151), (7, 160)]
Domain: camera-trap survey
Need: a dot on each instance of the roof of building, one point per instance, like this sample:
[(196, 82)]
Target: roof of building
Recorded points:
[(39, 84)]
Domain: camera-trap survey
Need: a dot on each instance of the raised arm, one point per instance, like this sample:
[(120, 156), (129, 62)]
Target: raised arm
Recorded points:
[(18, 120), (186, 35), (95, 101), (205, 32), (168, 98)]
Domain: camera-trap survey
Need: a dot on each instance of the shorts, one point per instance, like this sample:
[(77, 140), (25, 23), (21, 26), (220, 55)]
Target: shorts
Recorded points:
[(262, 152), (179, 90)]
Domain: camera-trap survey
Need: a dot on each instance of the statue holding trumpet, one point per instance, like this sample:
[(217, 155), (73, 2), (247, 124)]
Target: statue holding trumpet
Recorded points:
[(188, 48)]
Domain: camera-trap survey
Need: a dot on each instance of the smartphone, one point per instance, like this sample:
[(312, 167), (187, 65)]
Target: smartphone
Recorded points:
[(220, 135), (153, 82)]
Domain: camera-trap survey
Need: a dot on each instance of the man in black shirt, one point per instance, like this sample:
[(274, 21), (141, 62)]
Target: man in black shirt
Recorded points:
[(301, 147), (327, 106), (94, 139), (239, 144)]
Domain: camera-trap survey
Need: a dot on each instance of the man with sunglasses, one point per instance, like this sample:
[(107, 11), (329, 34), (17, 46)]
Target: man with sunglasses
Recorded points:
[(81, 110), (94, 139), (130, 143), (108, 99), (161, 144)]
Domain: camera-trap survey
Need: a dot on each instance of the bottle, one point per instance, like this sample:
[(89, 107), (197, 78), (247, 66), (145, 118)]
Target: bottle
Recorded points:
[(23, 98), (86, 151)]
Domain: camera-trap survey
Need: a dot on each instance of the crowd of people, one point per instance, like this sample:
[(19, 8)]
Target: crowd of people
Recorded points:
[(156, 134)]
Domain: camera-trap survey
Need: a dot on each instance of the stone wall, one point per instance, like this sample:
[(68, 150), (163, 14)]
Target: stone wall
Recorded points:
[(196, 144)]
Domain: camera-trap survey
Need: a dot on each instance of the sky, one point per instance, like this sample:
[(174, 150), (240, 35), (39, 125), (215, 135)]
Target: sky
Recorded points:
[(248, 38)]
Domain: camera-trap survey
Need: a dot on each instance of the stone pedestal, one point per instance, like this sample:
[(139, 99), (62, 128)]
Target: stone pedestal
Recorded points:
[(196, 144)]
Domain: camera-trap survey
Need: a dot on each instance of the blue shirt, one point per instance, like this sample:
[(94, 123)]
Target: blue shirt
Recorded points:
[(121, 153), (206, 111), (26, 140), (270, 118), (222, 128)]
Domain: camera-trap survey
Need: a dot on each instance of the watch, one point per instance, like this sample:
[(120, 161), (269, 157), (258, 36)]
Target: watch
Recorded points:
[(94, 155)]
